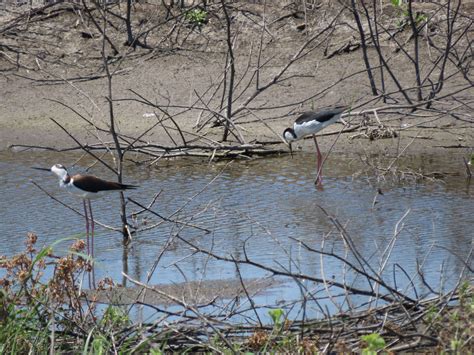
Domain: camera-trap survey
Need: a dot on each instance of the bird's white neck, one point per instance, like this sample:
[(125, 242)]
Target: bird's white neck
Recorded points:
[(65, 181), (62, 174)]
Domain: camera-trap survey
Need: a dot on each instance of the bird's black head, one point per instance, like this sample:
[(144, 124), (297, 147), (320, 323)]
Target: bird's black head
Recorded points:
[(289, 135)]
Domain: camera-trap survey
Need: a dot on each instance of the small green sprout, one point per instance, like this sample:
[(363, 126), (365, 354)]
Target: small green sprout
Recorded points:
[(471, 161), (374, 343), (404, 20), (276, 315), (196, 17)]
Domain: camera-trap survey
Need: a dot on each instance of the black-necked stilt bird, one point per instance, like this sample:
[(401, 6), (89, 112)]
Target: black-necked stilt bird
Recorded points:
[(86, 187), (309, 123)]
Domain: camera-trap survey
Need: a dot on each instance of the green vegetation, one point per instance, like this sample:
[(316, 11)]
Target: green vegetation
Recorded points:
[(39, 316), (454, 325), (196, 17), (373, 343), (405, 14), (276, 315), (36, 315)]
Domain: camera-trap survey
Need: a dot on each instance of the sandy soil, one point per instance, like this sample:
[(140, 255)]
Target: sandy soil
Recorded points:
[(203, 292), (172, 80)]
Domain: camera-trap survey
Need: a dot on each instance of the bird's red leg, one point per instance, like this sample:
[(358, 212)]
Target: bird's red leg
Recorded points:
[(92, 228), (87, 226), (87, 235), (92, 241), (319, 171)]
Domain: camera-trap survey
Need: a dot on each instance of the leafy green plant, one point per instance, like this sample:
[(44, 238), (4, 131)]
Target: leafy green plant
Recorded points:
[(29, 307), (453, 324), (374, 342), (455, 345), (114, 318), (432, 314), (100, 345), (405, 14), (276, 315), (471, 161), (196, 17)]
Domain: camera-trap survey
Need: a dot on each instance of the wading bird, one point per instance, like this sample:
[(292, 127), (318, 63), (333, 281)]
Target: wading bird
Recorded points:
[(309, 123), (86, 187)]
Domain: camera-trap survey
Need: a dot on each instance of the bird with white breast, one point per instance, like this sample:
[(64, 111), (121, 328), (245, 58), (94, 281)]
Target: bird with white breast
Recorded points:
[(86, 187), (309, 123)]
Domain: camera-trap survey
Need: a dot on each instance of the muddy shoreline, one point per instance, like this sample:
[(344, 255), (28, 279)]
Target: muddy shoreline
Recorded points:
[(176, 79)]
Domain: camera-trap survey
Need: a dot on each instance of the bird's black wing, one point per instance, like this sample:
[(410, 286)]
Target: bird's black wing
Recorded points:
[(321, 116), (91, 183)]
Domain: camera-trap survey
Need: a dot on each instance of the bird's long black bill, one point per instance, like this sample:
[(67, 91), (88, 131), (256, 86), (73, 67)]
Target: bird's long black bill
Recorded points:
[(291, 150), (43, 169)]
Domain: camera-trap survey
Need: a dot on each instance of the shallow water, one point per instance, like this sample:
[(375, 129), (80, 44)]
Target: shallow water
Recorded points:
[(266, 204)]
